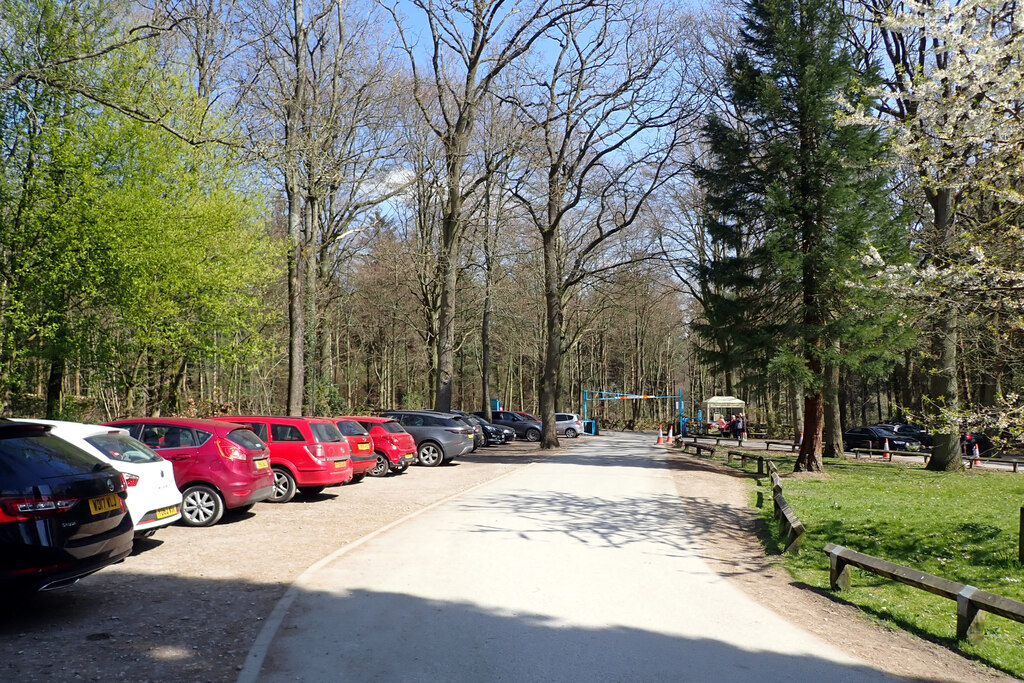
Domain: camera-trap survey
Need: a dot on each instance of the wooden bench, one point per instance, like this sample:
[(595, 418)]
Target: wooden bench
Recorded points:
[(970, 601), (871, 451), (700, 449), (788, 444), (1008, 460), (756, 434), (744, 457)]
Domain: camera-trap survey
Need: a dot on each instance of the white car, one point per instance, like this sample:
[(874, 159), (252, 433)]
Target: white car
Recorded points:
[(154, 500), (568, 424)]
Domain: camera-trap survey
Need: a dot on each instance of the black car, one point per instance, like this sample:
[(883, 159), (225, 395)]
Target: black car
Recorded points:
[(875, 437), (62, 512), (496, 435), (524, 428), (902, 429)]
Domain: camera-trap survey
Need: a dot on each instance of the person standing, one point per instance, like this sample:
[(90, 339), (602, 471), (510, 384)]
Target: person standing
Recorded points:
[(721, 425), (739, 427)]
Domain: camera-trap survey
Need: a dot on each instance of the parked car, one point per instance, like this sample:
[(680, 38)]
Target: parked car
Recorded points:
[(307, 454), (217, 466), (154, 500), (360, 445), (63, 513), (440, 437), (568, 424), (478, 433), (390, 440), (524, 428), (876, 437), (903, 429), (985, 446), (394, 448), (494, 435)]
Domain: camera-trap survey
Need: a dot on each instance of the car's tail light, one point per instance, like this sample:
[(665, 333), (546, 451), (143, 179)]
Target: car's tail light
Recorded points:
[(231, 451), (316, 451), (130, 479), (17, 509), (458, 430)]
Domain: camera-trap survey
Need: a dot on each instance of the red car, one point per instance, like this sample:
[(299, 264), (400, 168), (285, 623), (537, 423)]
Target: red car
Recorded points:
[(394, 448), (307, 454), (361, 445), (216, 465)]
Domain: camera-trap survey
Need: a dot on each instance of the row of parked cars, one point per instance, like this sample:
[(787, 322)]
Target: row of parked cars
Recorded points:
[(74, 496)]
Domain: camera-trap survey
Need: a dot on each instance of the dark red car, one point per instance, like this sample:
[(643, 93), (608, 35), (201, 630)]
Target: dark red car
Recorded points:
[(217, 466), (307, 454), (394, 448), (361, 445)]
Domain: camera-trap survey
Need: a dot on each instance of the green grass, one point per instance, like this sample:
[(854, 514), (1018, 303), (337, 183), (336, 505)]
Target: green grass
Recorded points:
[(961, 526)]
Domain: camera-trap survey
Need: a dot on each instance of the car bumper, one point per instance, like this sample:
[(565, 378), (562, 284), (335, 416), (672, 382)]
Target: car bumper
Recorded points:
[(41, 568), (363, 464), (329, 475)]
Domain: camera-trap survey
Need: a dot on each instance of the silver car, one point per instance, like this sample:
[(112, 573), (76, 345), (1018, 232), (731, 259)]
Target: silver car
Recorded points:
[(568, 424), (440, 437)]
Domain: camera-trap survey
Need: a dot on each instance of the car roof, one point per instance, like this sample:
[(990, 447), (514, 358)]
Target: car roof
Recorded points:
[(181, 422), (366, 418), (75, 429), (279, 418)]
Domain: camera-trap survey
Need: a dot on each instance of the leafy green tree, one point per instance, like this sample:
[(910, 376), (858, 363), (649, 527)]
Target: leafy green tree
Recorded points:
[(808, 192)]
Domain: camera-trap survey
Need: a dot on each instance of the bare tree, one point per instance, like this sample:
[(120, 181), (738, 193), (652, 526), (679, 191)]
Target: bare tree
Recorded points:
[(609, 112)]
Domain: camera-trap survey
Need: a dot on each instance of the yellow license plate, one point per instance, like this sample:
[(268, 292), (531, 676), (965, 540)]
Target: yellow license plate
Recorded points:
[(102, 504), (167, 511), (340, 464), (262, 464), (364, 446)]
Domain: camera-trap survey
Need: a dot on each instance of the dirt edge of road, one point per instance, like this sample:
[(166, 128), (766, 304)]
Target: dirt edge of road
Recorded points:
[(719, 499)]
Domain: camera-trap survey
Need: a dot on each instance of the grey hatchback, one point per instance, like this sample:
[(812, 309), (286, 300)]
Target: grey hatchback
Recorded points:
[(440, 437)]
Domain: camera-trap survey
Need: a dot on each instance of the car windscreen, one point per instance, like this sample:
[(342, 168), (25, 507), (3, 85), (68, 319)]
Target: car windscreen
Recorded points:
[(29, 453), (122, 447), (246, 438), (325, 432), (351, 428)]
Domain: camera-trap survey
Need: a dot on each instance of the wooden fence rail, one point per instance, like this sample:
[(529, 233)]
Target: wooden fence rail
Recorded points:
[(744, 456), (789, 526), (970, 601)]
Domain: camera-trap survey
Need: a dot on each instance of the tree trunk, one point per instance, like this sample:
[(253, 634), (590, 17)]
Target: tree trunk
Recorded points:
[(833, 436), (55, 386), (553, 340), (296, 305)]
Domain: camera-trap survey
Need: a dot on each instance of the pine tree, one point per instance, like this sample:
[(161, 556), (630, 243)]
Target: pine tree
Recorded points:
[(797, 193)]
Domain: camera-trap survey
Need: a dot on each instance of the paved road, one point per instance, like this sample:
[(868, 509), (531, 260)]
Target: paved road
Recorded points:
[(581, 567)]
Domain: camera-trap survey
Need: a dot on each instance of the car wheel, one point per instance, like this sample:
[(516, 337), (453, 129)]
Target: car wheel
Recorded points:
[(284, 486), (311, 490), (381, 467), (571, 433), (532, 434), (398, 469), (356, 478), (201, 505), (430, 454)]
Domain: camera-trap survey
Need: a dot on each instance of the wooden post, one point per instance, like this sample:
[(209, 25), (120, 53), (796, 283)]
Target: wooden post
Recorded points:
[(969, 619), (839, 570), (760, 465), (1020, 538)]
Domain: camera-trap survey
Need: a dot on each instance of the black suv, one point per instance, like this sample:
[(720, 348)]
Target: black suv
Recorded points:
[(62, 512)]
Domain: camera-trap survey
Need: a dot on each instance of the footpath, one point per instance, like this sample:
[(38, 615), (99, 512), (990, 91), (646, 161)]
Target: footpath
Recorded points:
[(580, 567)]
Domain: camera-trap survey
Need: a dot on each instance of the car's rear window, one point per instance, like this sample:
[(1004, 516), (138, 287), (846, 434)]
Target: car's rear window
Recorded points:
[(28, 454), (326, 432), (392, 427), (432, 421), (260, 428), (123, 448), (246, 438), (564, 417), (351, 428)]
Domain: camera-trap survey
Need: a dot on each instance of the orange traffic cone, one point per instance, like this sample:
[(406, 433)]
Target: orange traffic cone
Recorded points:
[(669, 440), (976, 455), (886, 453), (661, 437)]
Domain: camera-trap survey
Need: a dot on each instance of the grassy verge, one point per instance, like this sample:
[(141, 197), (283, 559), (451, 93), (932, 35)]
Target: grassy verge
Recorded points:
[(962, 527)]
